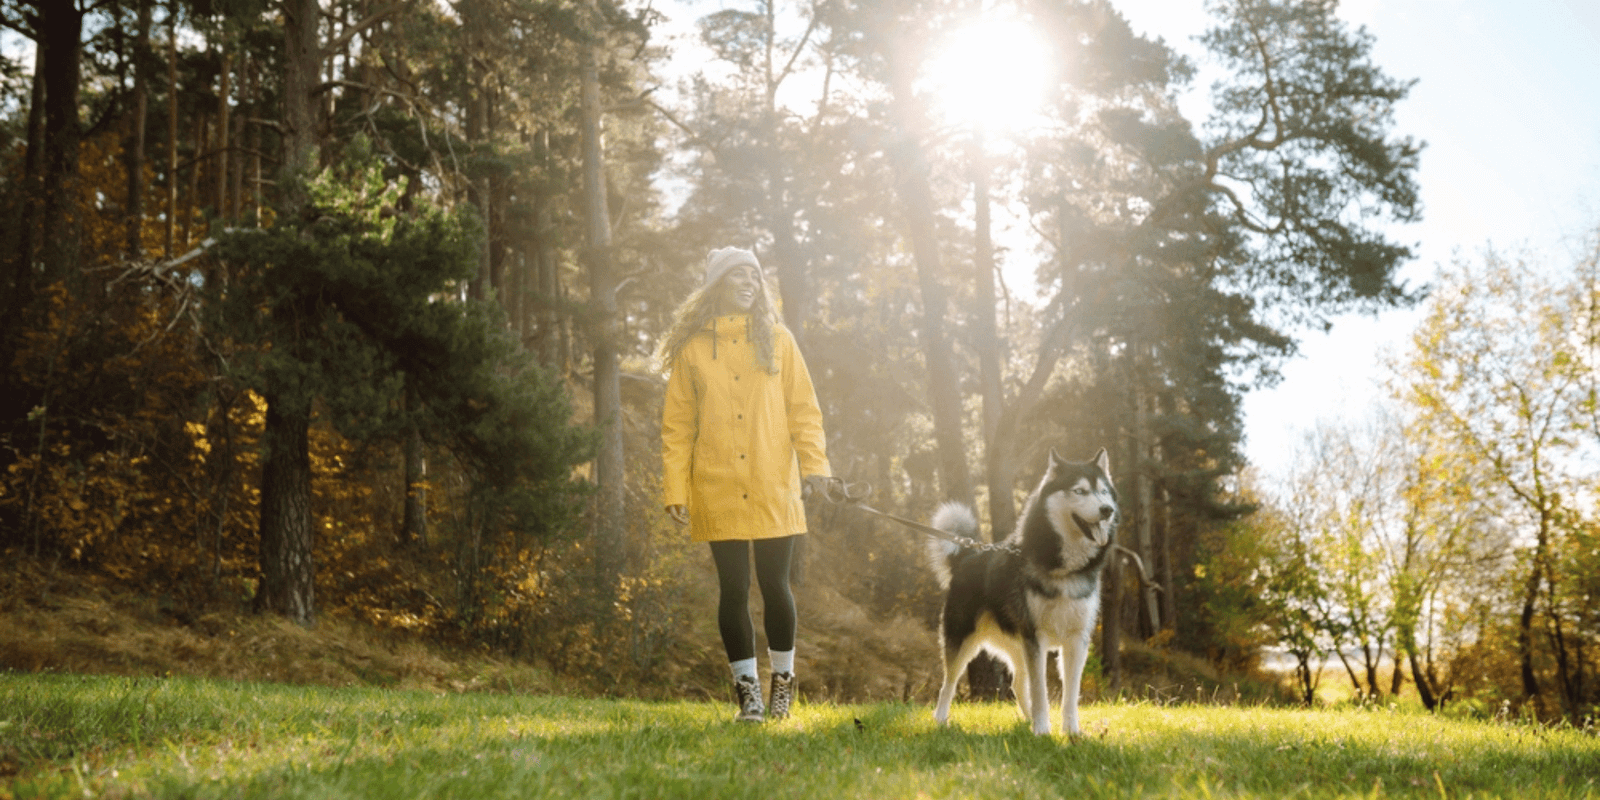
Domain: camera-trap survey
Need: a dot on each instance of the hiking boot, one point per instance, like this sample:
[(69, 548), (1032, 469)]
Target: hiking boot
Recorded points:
[(782, 695), (747, 691)]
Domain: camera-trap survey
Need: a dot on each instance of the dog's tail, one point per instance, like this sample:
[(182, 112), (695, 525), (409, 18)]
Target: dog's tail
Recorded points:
[(958, 519)]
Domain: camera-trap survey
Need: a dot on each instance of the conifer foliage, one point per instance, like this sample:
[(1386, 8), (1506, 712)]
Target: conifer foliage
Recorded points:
[(356, 311)]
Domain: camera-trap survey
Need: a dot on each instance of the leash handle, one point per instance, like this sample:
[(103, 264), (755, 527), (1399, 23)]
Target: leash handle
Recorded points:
[(838, 490)]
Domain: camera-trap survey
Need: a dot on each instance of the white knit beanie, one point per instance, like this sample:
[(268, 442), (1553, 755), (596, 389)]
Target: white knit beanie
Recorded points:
[(725, 258)]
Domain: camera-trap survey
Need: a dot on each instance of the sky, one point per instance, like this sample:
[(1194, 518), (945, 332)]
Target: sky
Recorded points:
[(1507, 102)]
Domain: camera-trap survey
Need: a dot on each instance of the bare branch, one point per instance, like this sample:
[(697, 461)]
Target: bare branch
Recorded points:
[(338, 42)]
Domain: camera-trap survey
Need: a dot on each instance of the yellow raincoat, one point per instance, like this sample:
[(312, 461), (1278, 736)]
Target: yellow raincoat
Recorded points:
[(735, 439)]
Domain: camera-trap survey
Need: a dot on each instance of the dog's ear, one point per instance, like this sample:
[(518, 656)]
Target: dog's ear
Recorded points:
[(1052, 467), (1102, 460)]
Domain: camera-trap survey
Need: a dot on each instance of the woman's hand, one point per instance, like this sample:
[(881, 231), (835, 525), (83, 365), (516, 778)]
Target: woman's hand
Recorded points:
[(679, 514), (813, 485)]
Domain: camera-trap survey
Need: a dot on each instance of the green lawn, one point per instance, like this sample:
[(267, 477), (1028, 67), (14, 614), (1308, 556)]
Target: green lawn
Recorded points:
[(74, 736)]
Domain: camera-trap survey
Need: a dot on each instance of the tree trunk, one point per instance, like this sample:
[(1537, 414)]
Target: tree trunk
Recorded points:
[(1423, 682), (609, 517), (191, 197), (247, 135), (1530, 596), (1111, 625), (475, 103), (302, 56), (136, 134), (1355, 682), (21, 280), (1169, 587), (999, 476), (799, 296), (414, 522), (1303, 672), (1003, 447), (287, 571), (224, 132), (1369, 662), (1569, 679), (1111, 598), (171, 232), (944, 390), (1144, 493), (546, 284), (60, 29)]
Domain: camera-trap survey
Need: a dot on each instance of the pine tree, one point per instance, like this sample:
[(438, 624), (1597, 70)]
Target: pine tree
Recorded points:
[(349, 310)]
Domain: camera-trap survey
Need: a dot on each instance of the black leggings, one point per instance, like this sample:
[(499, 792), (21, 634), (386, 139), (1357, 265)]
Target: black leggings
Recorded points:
[(772, 557)]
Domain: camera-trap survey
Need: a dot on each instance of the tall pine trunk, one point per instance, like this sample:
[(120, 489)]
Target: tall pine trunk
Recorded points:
[(170, 234), (302, 57), (1143, 494), (911, 175), (998, 471), (20, 281), (916, 197), (224, 134), (136, 134), (60, 29), (609, 516), (287, 571)]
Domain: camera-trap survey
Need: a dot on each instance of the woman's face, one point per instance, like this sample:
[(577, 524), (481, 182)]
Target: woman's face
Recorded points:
[(738, 289)]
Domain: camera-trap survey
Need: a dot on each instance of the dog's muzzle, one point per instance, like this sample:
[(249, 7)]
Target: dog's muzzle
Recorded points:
[(1098, 531)]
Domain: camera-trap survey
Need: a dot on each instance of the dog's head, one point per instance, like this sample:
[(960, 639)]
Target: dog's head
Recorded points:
[(1079, 496)]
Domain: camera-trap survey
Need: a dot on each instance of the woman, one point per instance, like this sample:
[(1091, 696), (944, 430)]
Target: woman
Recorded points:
[(739, 427)]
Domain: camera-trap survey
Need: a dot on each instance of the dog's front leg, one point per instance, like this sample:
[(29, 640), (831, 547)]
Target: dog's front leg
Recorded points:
[(1034, 659), (1074, 654)]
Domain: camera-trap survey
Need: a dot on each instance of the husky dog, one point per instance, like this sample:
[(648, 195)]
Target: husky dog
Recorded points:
[(1040, 592)]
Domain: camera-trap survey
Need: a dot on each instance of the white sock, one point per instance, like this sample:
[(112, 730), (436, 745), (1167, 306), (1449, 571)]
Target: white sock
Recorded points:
[(782, 661), (744, 668)]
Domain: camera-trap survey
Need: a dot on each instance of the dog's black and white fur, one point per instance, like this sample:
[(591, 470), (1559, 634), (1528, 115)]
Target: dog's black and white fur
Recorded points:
[(1021, 606)]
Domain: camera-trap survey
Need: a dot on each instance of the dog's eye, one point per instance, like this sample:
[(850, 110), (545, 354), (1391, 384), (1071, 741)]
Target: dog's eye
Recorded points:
[(1081, 492)]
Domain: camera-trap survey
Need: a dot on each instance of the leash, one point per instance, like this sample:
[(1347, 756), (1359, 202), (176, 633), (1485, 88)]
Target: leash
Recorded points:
[(854, 495)]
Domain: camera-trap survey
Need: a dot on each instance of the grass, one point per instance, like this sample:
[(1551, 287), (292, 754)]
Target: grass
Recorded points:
[(68, 735)]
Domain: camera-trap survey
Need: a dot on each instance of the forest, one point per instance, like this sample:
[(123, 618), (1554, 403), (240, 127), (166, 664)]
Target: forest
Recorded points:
[(348, 308)]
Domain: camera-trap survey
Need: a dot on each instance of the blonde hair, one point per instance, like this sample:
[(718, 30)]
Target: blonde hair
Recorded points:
[(700, 308)]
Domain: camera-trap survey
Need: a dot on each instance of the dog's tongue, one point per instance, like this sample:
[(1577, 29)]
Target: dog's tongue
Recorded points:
[(1090, 530)]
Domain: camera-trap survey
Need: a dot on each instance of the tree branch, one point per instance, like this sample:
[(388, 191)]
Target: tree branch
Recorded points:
[(338, 42)]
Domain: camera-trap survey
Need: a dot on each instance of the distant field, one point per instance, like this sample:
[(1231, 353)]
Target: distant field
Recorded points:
[(73, 736)]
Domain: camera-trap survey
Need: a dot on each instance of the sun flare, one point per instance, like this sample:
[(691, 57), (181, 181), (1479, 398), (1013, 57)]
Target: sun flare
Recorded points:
[(990, 72)]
